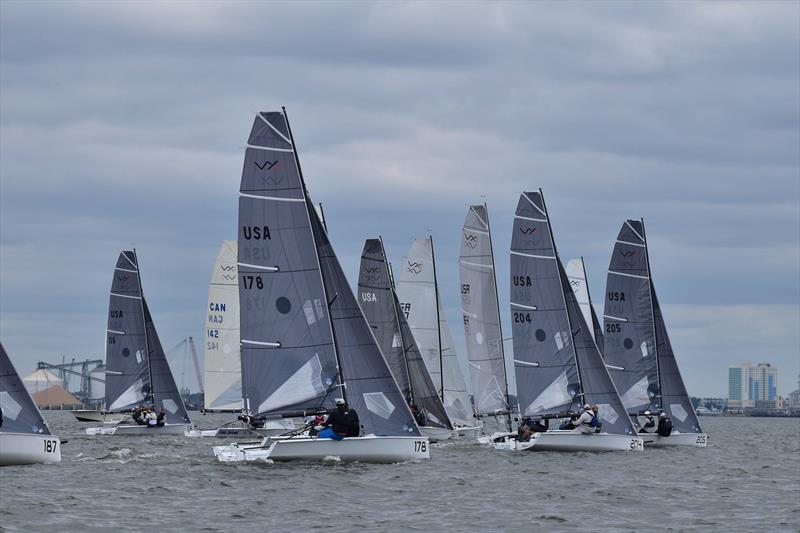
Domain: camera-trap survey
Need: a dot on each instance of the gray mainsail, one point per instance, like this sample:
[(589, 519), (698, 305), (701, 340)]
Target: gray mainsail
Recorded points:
[(19, 412), (304, 339), (637, 343), (557, 363), (629, 321), (288, 359), (127, 370), (382, 310), (165, 392), (481, 312), (418, 291)]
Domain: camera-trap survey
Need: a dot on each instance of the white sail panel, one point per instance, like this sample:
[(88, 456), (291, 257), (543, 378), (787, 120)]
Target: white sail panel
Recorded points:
[(223, 368), (554, 395), (305, 384), (577, 281), (417, 290)]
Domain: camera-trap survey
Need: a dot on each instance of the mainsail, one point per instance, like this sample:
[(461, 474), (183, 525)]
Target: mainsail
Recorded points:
[(558, 366), (382, 310), (137, 371), (481, 312), (223, 368), (418, 292), (127, 369), (576, 272), (637, 346), (19, 412), (304, 339)]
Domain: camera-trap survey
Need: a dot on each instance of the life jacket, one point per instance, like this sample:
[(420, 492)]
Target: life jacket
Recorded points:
[(595, 421)]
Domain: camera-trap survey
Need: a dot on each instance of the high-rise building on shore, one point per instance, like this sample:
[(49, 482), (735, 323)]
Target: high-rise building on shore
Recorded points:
[(752, 386)]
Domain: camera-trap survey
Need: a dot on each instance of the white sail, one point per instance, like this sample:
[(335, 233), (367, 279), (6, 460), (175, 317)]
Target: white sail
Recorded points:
[(577, 280), (418, 293), (223, 369)]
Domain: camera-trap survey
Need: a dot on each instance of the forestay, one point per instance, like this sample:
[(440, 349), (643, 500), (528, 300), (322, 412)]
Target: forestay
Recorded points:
[(557, 362), (19, 412), (127, 372), (381, 308), (223, 368), (480, 309), (576, 272), (418, 293)]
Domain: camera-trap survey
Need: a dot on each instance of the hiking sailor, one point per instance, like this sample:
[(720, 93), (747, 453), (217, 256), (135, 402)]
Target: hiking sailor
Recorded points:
[(419, 416), (649, 423), (664, 425), (343, 422), (583, 424)]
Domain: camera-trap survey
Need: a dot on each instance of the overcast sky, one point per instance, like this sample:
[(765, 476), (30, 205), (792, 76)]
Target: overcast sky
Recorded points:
[(126, 123)]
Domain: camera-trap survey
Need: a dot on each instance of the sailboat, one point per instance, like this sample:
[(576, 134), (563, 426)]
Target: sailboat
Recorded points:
[(576, 274), (24, 436), (223, 368), (637, 347), (480, 307), (381, 308), (418, 291), (137, 372), (304, 340), (557, 363)]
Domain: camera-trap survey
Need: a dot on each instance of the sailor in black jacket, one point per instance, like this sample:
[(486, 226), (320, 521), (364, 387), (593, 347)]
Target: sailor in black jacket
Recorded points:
[(343, 422)]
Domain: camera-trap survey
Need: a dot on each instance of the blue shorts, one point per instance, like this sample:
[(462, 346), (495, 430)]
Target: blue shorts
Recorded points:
[(328, 433)]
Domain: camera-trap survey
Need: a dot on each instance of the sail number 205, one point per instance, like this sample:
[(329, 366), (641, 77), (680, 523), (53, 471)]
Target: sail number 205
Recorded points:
[(50, 445)]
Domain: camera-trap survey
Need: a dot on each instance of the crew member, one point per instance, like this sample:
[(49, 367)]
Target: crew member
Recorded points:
[(649, 423), (342, 422), (152, 419), (583, 424), (596, 424), (664, 425), (160, 417), (419, 416)]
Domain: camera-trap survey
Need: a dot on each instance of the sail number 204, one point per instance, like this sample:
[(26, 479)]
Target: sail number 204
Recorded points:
[(420, 446), (50, 445), (636, 444)]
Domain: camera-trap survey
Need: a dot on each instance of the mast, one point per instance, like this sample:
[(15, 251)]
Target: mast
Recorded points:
[(328, 301), (652, 313), (144, 324), (563, 296), (397, 321), (438, 318)]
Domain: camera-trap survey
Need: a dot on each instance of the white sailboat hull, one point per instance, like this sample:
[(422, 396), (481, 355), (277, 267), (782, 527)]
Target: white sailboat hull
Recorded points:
[(370, 449), (137, 430), (675, 439), (94, 415), (27, 448), (435, 434), (567, 441)]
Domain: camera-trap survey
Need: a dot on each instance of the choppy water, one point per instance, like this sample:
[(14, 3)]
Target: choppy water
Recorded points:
[(747, 479)]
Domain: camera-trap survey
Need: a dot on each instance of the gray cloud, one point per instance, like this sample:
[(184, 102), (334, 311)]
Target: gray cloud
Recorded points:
[(126, 122)]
